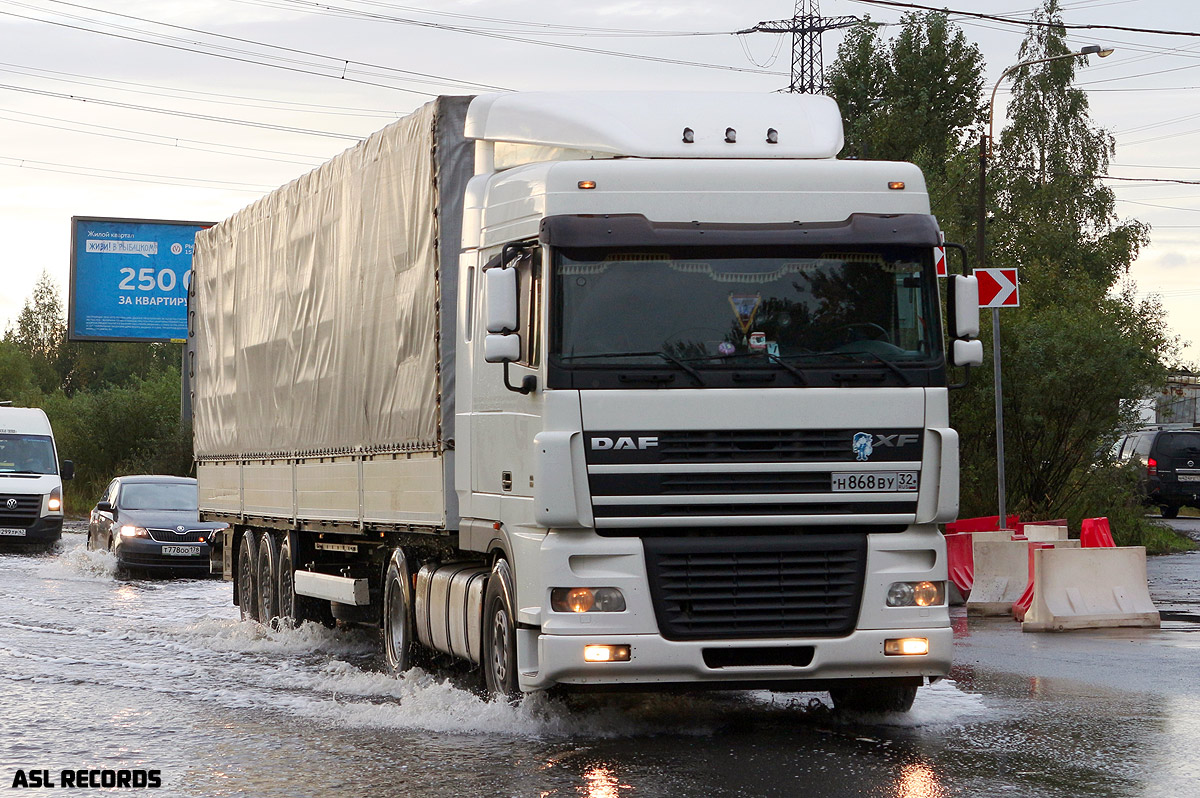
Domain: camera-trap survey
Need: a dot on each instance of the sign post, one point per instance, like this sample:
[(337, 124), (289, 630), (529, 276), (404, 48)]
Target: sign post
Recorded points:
[(998, 289), (129, 282)]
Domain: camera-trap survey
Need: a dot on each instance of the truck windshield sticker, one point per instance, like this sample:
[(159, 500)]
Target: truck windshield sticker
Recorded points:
[(744, 307)]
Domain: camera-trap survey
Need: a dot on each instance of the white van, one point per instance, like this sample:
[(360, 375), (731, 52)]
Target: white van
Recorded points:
[(31, 493)]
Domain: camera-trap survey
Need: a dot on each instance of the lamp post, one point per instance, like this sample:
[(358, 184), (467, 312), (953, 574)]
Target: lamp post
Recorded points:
[(985, 152)]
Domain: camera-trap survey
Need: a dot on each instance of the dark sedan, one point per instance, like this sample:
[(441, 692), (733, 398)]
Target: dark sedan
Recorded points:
[(152, 523)]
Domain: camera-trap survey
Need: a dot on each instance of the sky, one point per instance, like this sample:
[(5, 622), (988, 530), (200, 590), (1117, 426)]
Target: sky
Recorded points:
[(192, 109)]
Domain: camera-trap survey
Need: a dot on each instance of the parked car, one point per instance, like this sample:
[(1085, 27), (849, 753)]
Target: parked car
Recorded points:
[(1170, 467), (152, 523)]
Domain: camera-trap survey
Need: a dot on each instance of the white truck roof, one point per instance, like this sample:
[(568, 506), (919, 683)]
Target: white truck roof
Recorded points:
[(24, 421), (650, 124)]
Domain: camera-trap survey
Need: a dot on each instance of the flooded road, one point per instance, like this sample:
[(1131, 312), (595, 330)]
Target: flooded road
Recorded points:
[(99, 671)]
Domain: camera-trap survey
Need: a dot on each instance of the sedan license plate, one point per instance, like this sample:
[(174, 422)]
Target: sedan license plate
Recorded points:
[(873, 481), (182, 551), (1189, 477), (9, 532)]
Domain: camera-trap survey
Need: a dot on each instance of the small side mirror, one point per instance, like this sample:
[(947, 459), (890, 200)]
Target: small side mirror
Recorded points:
[(66, 469), (964, 307), (106, 507), (501, 301), (966, 353), (499, 348)]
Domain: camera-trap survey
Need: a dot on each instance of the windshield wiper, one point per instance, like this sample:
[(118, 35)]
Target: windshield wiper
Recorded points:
[(850, 356), (691, 372), (35, 473), (795, 372)]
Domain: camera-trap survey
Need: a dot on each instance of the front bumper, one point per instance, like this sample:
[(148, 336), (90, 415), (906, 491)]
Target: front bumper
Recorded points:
[(148, 554), (45, 530), (655, 660)]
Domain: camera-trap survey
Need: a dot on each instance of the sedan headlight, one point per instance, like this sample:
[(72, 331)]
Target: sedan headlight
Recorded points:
[(130, 531)]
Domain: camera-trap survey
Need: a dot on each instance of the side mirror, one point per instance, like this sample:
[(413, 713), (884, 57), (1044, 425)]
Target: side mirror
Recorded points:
[(501, 348), (106, 507), (66, 469), (501, 301), (964, 307), (966, 353)]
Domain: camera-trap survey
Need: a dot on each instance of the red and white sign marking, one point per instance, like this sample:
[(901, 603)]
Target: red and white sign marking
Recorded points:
[(998, 288), (939, 260)]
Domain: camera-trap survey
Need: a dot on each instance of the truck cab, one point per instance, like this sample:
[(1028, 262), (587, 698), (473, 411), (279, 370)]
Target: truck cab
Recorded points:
[(31, 489)]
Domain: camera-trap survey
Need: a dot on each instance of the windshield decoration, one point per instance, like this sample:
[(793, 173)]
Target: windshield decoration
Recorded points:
[(744, 307), (861, 445)]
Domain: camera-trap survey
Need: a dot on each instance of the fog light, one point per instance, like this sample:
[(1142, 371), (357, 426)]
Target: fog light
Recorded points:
[(587, 599), (128, 531), (606, 653), (906, 647)]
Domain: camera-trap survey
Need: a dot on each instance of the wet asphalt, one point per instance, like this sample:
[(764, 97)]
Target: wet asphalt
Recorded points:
[(98, 670)]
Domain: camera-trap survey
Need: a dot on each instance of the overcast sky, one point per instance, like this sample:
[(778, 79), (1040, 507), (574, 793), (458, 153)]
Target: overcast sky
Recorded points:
[(126, 116)]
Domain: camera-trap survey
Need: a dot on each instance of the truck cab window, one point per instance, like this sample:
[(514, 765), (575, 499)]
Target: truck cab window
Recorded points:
[(529, 307)]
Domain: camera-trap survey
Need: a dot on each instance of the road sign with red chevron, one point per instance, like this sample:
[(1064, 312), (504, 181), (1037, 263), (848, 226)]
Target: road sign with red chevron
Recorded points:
[(998, 288), (939, 261)]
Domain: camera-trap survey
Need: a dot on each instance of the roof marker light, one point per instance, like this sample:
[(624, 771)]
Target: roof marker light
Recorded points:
[(586, 184), (772, 136), (689, 136), (730, 135), (896, 185)]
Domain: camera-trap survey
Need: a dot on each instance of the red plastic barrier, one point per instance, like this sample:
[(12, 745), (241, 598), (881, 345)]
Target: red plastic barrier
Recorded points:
[(1095, 534), (1021, 605), (987, 523), (960, 562)]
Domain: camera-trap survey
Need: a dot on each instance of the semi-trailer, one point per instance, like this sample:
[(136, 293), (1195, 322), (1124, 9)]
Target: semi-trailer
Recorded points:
[(592, 390)]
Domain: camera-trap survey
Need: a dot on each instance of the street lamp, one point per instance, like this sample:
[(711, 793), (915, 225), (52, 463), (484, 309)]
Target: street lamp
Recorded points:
[(985, 152)]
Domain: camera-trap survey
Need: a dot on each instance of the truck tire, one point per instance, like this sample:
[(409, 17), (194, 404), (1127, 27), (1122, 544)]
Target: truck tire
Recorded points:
[(397, 627), (499, 635), (875, 696), (246, 581), (268, 578)]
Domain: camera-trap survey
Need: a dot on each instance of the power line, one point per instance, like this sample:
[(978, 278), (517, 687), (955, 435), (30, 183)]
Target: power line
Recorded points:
[(186, 114), (137, 177), (1027, 23)]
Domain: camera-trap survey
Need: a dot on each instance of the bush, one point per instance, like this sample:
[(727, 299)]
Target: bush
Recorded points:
[(1112, 491)]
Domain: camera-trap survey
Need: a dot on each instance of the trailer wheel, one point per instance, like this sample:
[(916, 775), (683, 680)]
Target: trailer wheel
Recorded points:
[(397, 628), (499, 634), (268, 578), (295, 609), (869, 696), (247, 589)]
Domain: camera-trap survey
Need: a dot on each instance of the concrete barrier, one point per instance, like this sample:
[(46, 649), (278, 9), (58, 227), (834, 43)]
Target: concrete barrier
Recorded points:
[(1001, 573), (1089, 588), (1044, 533)]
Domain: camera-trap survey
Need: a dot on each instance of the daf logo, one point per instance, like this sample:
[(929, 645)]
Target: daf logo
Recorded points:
[(624, 443), (11, 504)]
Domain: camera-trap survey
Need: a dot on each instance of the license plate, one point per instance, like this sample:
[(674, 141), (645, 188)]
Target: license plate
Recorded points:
[(1189, 477), (873, 481), (182, 551), (9, 532)]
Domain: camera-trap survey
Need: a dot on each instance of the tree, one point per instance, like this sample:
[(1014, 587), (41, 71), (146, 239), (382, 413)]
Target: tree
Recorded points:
[(1079, 346), (41, 331)]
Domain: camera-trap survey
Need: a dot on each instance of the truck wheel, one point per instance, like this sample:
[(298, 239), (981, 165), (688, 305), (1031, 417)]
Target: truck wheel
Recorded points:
[(268, 578), (247, 589), (398, 626), (295, 609), (499, 635), (869, 696)]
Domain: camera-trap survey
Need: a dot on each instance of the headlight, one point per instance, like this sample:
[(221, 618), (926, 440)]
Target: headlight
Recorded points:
[(916, 594), (587, 599), (54, 503), (129, 531)]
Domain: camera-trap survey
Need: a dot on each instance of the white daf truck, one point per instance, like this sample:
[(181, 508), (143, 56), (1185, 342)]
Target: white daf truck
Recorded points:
[(593, 390)]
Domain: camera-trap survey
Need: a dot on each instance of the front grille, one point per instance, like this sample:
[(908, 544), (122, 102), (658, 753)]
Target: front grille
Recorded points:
[(187, 536), (749, 446), (848, 507), (756, 586), (24, 511), (688, 484)]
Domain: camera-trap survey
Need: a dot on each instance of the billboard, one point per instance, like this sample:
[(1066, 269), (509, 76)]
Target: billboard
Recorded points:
[(129, 279)]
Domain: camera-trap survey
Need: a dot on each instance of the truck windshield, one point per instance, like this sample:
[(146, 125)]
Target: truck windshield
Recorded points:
[(27, 454), (873, 308)]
